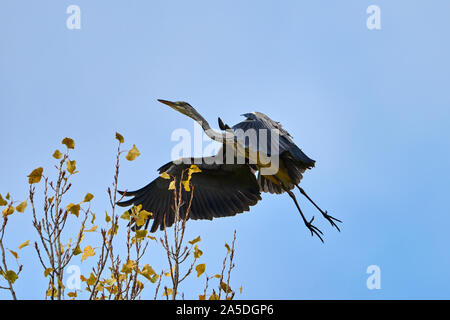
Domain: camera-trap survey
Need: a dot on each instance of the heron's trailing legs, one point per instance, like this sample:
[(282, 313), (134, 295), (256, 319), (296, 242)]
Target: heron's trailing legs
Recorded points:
[(313, 229), (324, 213), (309, 225)]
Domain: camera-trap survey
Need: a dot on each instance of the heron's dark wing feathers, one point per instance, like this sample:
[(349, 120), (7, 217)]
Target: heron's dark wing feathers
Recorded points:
[(265, 185), (294, 159), (218, 191), (258, 121)]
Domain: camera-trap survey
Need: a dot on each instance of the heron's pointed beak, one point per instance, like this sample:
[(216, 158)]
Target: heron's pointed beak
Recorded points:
[(169, 103)]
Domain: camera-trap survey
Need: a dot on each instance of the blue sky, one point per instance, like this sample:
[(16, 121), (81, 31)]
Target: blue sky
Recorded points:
[(371, 107)]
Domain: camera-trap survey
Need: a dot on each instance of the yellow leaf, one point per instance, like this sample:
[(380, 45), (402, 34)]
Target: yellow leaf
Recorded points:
[(88, 252), (110, 282), (11, 276), (68, 244), (107, 218), (226, 288), (128, 267), (7, 196), (51, 292), (22, 206), (240, 289), (140, 234), (47, 272), (35, 176), (200, 269), (93, 229), (218, 276), (120, 137), (92, 279), (88, 197), (228, 247), (148, 272), (14, 254), (70, 144), (167, 274), (142, 217), (165, 175), (167, 292), (57, 154), (114, 228), (172, 185), (198, 239), (71, 166), (201, 297), (8, 211), (133, 153), (72, 294), (194, 169), (61, 285), (186, 185), (74, 209), (214, 296), (125, 215), (197, 252), (23, 245), (77, 251), (3, 202)]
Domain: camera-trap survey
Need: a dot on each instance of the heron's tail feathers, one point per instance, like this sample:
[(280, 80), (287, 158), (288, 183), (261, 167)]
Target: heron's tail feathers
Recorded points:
[(301, 157)]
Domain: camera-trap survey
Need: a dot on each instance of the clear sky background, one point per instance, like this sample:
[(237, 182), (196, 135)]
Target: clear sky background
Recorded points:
[(371, 107)]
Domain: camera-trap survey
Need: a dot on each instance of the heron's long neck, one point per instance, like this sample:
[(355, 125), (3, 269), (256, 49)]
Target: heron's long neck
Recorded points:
[(213, 134)]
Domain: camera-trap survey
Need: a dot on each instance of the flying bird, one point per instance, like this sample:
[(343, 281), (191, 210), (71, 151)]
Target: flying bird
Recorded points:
[(224, 188)]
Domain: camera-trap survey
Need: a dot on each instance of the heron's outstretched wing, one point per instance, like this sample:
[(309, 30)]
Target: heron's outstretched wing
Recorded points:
[(219, 190)]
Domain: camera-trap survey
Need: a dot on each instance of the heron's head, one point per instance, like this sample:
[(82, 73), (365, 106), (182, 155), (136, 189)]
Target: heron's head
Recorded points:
[(182, 107)]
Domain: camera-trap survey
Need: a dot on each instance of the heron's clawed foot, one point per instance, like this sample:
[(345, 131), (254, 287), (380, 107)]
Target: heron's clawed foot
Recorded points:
[(332, 220), (314, 230)]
